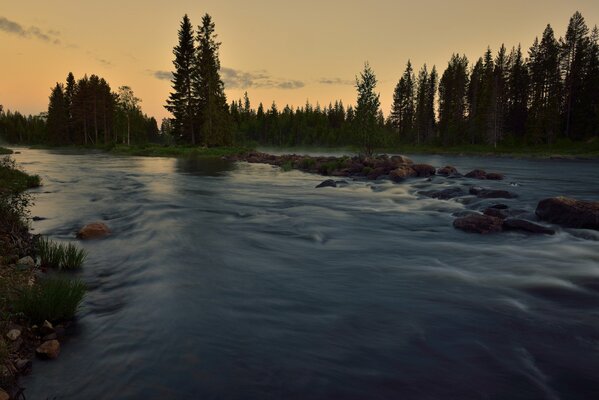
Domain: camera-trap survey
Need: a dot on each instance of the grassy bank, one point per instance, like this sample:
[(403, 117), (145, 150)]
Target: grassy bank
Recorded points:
[(155, 150), (4, 151), (27, 295)]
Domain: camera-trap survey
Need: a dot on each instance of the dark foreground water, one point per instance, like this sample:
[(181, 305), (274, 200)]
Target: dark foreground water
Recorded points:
[(244, 282)]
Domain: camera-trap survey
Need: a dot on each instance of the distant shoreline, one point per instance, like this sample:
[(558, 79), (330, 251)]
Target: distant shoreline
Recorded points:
[(577, 151)]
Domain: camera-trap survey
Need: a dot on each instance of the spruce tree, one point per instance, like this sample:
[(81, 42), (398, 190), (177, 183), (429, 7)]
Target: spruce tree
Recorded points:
[(452, 100), (69, 93), (182, 101), (574, 58), (57, 116), (517, 95), (208, 88), (367, 111), (546, 88), (420, 119)]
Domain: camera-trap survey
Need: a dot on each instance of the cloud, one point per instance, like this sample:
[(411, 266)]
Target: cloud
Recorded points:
[(103, 61), (237, 79), (162, 75), (291, 85), (15, 28), (336, 81)]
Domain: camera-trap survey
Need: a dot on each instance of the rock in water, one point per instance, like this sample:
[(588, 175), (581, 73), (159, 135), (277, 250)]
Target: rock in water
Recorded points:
[(477, 174), (402, 173), (479, 224), (514, 224), (444, 194), (48, 350), (491, 193), (424, 170), (95, 230), (327, 183), (447, 171), (569, 212), (494, 176)]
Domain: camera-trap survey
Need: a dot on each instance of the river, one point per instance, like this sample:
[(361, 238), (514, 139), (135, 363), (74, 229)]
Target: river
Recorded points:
[(241, 281)]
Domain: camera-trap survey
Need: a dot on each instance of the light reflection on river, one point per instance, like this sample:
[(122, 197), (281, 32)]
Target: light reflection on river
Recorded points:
[(244, 282)]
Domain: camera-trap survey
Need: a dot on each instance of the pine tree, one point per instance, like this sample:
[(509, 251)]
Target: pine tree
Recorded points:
[(403, 109), (517, 94), (57, 116), (498, 98), (476, 113), (452, 100), (574, 52), (367, 111), (431, 121), (546, 88), (420, 119), (208, 88), (182, 101), (69, 93)]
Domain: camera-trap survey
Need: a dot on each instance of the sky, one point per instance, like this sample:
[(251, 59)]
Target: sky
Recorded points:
[(276, 50)]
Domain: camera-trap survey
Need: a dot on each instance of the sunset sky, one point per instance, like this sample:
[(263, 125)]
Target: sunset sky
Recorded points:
[(275, 50)]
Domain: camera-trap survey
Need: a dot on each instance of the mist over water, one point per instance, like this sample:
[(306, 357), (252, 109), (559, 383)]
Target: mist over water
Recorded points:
[(240, 281)]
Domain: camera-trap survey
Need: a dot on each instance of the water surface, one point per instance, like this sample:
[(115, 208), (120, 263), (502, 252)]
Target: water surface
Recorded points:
[(240, 281)]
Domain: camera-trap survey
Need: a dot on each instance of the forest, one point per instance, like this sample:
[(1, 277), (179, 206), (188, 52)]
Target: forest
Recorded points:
[(542, 95)]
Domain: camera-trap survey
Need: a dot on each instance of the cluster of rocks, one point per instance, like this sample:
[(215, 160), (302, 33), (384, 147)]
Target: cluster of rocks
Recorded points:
[(396, 168), (22, 342), (562, 211)]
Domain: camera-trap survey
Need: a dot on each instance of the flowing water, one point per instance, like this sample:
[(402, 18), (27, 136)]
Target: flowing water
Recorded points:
[(240, 281)]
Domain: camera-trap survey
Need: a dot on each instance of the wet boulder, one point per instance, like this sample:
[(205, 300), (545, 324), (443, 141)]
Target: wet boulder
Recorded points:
[(569, 212), (494, 176), (494, 212), (477, 174), (402, 173), (376, 173), (327, 183), (48, 350), (424, 170), (515, 224), (397, 160), (447, 171), (479, 224), (444, 194), (95, 230), (483, 193)]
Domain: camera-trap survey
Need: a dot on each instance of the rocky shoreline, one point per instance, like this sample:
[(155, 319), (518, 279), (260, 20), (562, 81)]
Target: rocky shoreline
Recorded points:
[(561, 211)]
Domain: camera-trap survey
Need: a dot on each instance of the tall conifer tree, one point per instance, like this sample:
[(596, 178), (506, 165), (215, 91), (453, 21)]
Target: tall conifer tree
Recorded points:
[(182, 101)]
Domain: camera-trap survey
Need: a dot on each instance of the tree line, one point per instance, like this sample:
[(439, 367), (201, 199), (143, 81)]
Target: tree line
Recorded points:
[(548, 93), (83, 112), (509, 98), (88, 112)]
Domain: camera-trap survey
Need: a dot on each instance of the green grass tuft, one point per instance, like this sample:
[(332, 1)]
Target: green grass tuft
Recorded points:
[(61, 256), (53, 299)]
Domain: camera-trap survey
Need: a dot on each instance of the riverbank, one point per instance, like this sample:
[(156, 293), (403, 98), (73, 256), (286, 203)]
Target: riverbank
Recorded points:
[(154, 150), (30, 300), (559, 150)]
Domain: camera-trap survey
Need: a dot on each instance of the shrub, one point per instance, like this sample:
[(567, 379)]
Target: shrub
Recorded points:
[(73, 257), (52, 299), (61, 256), (287, 166)]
